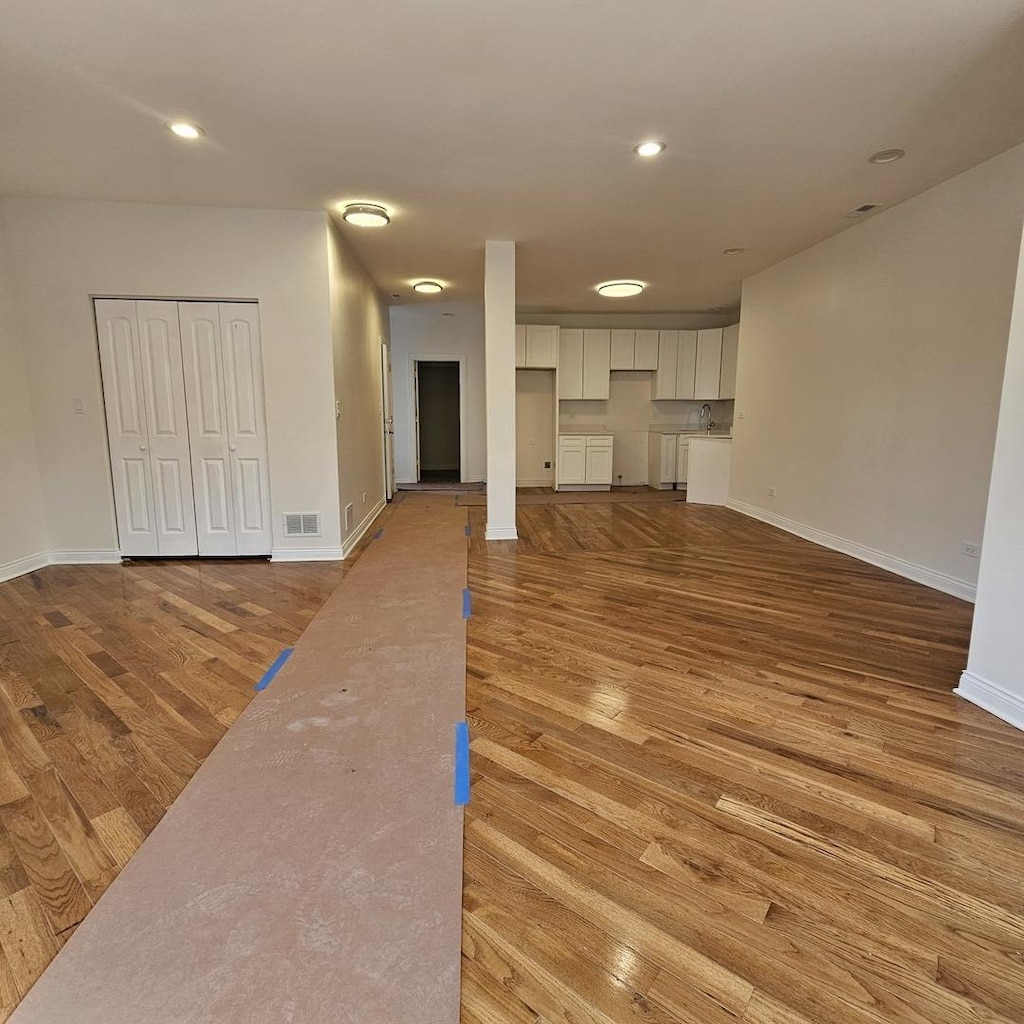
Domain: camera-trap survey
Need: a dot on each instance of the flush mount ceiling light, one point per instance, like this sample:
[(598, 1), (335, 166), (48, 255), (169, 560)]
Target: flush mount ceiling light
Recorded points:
[(652, 147), (185, 130), (427, 287), (620, 289), (887, 156), (366, 215), (733, 252)]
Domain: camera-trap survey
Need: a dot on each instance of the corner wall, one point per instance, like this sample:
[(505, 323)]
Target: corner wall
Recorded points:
[(870, 369)]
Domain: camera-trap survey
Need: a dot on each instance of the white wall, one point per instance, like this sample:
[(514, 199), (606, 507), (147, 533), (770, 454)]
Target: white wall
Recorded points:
[(359, 324), (870, 369), (424, 331), (995, 670), (64, 252), (22, 535)]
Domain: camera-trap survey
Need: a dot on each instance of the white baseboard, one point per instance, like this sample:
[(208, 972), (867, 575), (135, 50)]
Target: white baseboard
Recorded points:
[(501, 533), (306, 555), (992, 698), (350, 542), (901, 567), (88, 556), (20, 566)]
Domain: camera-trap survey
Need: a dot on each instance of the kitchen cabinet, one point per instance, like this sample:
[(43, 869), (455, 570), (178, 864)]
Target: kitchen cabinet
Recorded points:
[(730, 354), (682, 458), (661, 460), (634, 350), (708, 376), (536, 346), (623, 348), (677, 357), (584, 364), (585, 461)]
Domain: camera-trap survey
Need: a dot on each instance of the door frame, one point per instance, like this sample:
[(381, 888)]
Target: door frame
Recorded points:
[(420, 357), (387, 413)]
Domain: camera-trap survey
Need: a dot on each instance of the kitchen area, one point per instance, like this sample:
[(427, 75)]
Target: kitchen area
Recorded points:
[(626, 407)]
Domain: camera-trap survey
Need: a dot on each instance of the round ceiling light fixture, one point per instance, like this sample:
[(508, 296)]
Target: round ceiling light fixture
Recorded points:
[(366, 215), (620, 289), (735, 251), (887, 156), (185, 130), (652, 147), (428, 287)]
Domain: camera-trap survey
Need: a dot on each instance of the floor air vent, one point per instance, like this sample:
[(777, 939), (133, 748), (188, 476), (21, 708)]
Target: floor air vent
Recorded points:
[(302, 524)]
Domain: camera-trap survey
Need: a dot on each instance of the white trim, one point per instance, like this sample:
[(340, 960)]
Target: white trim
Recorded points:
[(430, 357), (20, 566), (87, 556), (349, 543), (501, 533), (306, 555), (901, 567), (992, 698)]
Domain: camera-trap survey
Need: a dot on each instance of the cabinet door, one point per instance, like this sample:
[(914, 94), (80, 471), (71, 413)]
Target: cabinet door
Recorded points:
[(645, 350), (709, 364), (570, 363), (597, 357), (541, 346), (599, 465), (572, 461), (520, 345), (668, 360), (730, 355), (622, 350), (669, 444), (682, 459), (687, 365)]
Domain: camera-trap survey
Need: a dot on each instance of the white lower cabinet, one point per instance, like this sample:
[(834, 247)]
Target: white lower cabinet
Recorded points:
[(682, 458), (668, 459), (585, 460)]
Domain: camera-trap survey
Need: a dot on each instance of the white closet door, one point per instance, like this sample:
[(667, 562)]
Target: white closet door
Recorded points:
[(167, 423), (247, 426), (207, 426), (123, 398)]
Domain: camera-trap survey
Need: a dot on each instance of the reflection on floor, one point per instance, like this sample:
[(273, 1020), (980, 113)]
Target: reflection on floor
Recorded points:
[(720, 776)]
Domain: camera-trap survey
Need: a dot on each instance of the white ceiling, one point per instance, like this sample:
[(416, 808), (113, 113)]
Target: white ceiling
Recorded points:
[(477, 120)]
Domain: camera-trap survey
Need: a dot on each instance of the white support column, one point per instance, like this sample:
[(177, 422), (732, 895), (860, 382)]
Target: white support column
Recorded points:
[(500, 349), (995, 668)]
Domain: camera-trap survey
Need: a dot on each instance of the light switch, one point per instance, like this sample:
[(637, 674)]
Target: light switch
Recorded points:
[(337, 409), (78, 405)]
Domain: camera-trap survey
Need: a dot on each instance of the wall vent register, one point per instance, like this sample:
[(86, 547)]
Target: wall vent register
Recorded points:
[(302, 524)]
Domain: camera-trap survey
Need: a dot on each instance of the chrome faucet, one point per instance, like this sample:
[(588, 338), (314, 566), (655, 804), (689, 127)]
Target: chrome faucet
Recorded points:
[(706, 408)]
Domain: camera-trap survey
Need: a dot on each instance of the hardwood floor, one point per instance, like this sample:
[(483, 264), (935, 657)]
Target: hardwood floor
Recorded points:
[(115, 683), (719, 775)]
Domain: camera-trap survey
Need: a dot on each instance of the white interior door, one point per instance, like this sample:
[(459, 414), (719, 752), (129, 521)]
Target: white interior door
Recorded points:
[(244, 404), (125, 404), (167, 426), (207, 426)]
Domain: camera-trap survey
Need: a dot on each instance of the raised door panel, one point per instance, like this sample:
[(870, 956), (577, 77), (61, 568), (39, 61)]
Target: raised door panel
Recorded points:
[(645, 350), (596, 364), (208, 426), (541, 346), (520, 345), (687, 366), (570, 363), (127, 431), (622, 350), (682, 459), (668, 361), (572, 463), (668, 458), (709, 364), (247, 433), (599, 465), (160, 352), (730, 356)]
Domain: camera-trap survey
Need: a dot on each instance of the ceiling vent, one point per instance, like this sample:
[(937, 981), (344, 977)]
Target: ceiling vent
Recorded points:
[(863, 209), (302, 524)]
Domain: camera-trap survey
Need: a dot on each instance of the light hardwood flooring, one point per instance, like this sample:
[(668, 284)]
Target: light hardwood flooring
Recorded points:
[(115, 683), (720, 776)]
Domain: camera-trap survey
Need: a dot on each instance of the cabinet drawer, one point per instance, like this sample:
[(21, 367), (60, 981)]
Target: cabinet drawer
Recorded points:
[(599, 442), (572, 440)]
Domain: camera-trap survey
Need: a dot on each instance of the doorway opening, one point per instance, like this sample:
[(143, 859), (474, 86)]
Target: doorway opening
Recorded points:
[(438, 422)]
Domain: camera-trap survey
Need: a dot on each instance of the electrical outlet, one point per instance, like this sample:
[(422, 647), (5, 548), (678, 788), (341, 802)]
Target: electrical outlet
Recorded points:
[(971, 550), (364, 497), (771, 492), (78, 406), (547, 465)]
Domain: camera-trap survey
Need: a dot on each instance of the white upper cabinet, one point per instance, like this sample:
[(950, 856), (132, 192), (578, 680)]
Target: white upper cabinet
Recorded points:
[(709, 364), (730, 354), (536, 346), (686, 367), (622, 350), (596, 363), (668, 362), (570, 363), (645, 350)]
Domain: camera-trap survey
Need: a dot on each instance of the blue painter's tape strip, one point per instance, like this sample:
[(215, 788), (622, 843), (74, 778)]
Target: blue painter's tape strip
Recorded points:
[(467, 529), (467, 603), (274, 669), (461, 764), (379, 534)]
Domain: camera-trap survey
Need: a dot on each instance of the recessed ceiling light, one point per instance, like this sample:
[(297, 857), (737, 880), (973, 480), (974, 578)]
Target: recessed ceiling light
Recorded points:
[(652, 147), (366, 215), (887, 156), (620, 289), (427, 287), (732, 252), (184, 130)]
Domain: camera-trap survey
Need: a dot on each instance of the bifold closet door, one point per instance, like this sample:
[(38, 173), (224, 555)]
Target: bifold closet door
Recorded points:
[(147, 426), (227, 426)]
